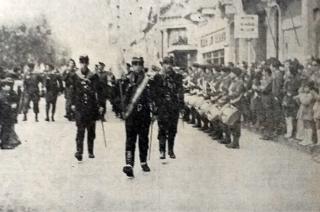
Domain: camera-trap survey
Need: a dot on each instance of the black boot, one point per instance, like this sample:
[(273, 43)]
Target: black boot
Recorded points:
[(145, 167), (52, 118), (47, 119), (162, 155), (171, 154), (78, 156), (128, 170), (36, 117)]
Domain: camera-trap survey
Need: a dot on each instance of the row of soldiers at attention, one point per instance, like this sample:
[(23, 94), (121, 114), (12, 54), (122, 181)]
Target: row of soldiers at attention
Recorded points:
[(273, 98)]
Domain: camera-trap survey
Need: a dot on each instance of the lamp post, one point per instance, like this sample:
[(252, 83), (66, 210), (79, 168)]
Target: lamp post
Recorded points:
[(274, 4)]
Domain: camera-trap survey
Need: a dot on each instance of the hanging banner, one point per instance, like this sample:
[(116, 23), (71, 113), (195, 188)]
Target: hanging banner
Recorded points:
[(246, 26)]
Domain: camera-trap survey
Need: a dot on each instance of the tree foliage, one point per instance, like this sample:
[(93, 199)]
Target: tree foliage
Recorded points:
[(23, 43)]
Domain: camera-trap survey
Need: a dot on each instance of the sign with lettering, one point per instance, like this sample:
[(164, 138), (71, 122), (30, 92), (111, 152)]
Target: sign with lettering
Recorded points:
[(246, 26)]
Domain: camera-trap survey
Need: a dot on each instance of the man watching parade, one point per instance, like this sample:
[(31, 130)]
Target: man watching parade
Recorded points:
[(86, 106), (169, 100)]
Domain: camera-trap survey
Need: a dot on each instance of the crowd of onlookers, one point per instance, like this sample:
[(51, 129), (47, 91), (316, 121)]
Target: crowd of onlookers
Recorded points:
[(278, 98)]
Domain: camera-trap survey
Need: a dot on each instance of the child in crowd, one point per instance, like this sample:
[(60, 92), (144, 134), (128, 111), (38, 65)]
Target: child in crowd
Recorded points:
[(305, 113)]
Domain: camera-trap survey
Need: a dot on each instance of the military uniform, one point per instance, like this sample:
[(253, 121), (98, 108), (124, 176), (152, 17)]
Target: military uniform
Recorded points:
[(105, 86), (52, 82), (138, 118), (86, 103), (67, 77), (31, 92), (169, 100), (233, 98)]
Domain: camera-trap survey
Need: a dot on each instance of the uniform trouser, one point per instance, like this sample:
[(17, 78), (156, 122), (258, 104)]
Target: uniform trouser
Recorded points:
[(186, 115), (90, 126), (52, 102), (136, 131), (193, 115), (68, 106), (167, 132), (35, 98), (234, 131), (217, 128)]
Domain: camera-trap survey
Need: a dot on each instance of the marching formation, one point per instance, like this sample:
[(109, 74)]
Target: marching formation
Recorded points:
[(140, 97), (270, 97)]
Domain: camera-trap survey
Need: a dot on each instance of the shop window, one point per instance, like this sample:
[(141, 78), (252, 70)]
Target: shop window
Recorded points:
[(178, 37), (214, 57)]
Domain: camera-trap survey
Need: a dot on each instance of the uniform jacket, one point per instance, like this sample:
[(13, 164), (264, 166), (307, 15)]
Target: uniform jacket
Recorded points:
[(106, 83), (168, 93), (141, 112), (85, 96), (53, 84), (31, 82)]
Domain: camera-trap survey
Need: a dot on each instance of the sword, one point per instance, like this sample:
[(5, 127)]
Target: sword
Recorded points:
[(150, 140), (104, 134)]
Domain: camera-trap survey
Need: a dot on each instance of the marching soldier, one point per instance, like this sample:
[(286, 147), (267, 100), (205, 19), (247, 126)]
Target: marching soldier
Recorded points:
[(138, 116), (68, 75), (52, 83), (103, 87), (31, 91), (85, 104), (169, 102)]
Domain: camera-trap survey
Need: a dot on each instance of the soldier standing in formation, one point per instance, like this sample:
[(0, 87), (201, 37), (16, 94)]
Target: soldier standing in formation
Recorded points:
[(138, 118), (67, 78), (233, 98), (86, 105), (169, 100), (53, 86), (31, 91)]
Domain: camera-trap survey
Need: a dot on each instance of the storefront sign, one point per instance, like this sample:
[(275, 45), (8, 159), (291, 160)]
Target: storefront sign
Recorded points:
[(246, 26)]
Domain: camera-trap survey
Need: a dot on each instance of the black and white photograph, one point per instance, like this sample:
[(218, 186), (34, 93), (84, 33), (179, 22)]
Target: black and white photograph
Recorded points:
[(160, 105)]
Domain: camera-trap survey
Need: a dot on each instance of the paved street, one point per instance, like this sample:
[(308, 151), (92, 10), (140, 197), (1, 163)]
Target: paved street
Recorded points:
[(43, 175)]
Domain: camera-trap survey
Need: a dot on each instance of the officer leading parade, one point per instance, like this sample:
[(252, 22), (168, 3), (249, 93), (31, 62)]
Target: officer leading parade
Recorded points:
[(173, 105)]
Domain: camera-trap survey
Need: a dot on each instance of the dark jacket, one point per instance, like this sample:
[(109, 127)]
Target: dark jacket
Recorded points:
[(8, 114), (141, 112), (168, 94), (85, 96), (53, 84), (31, 83)]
